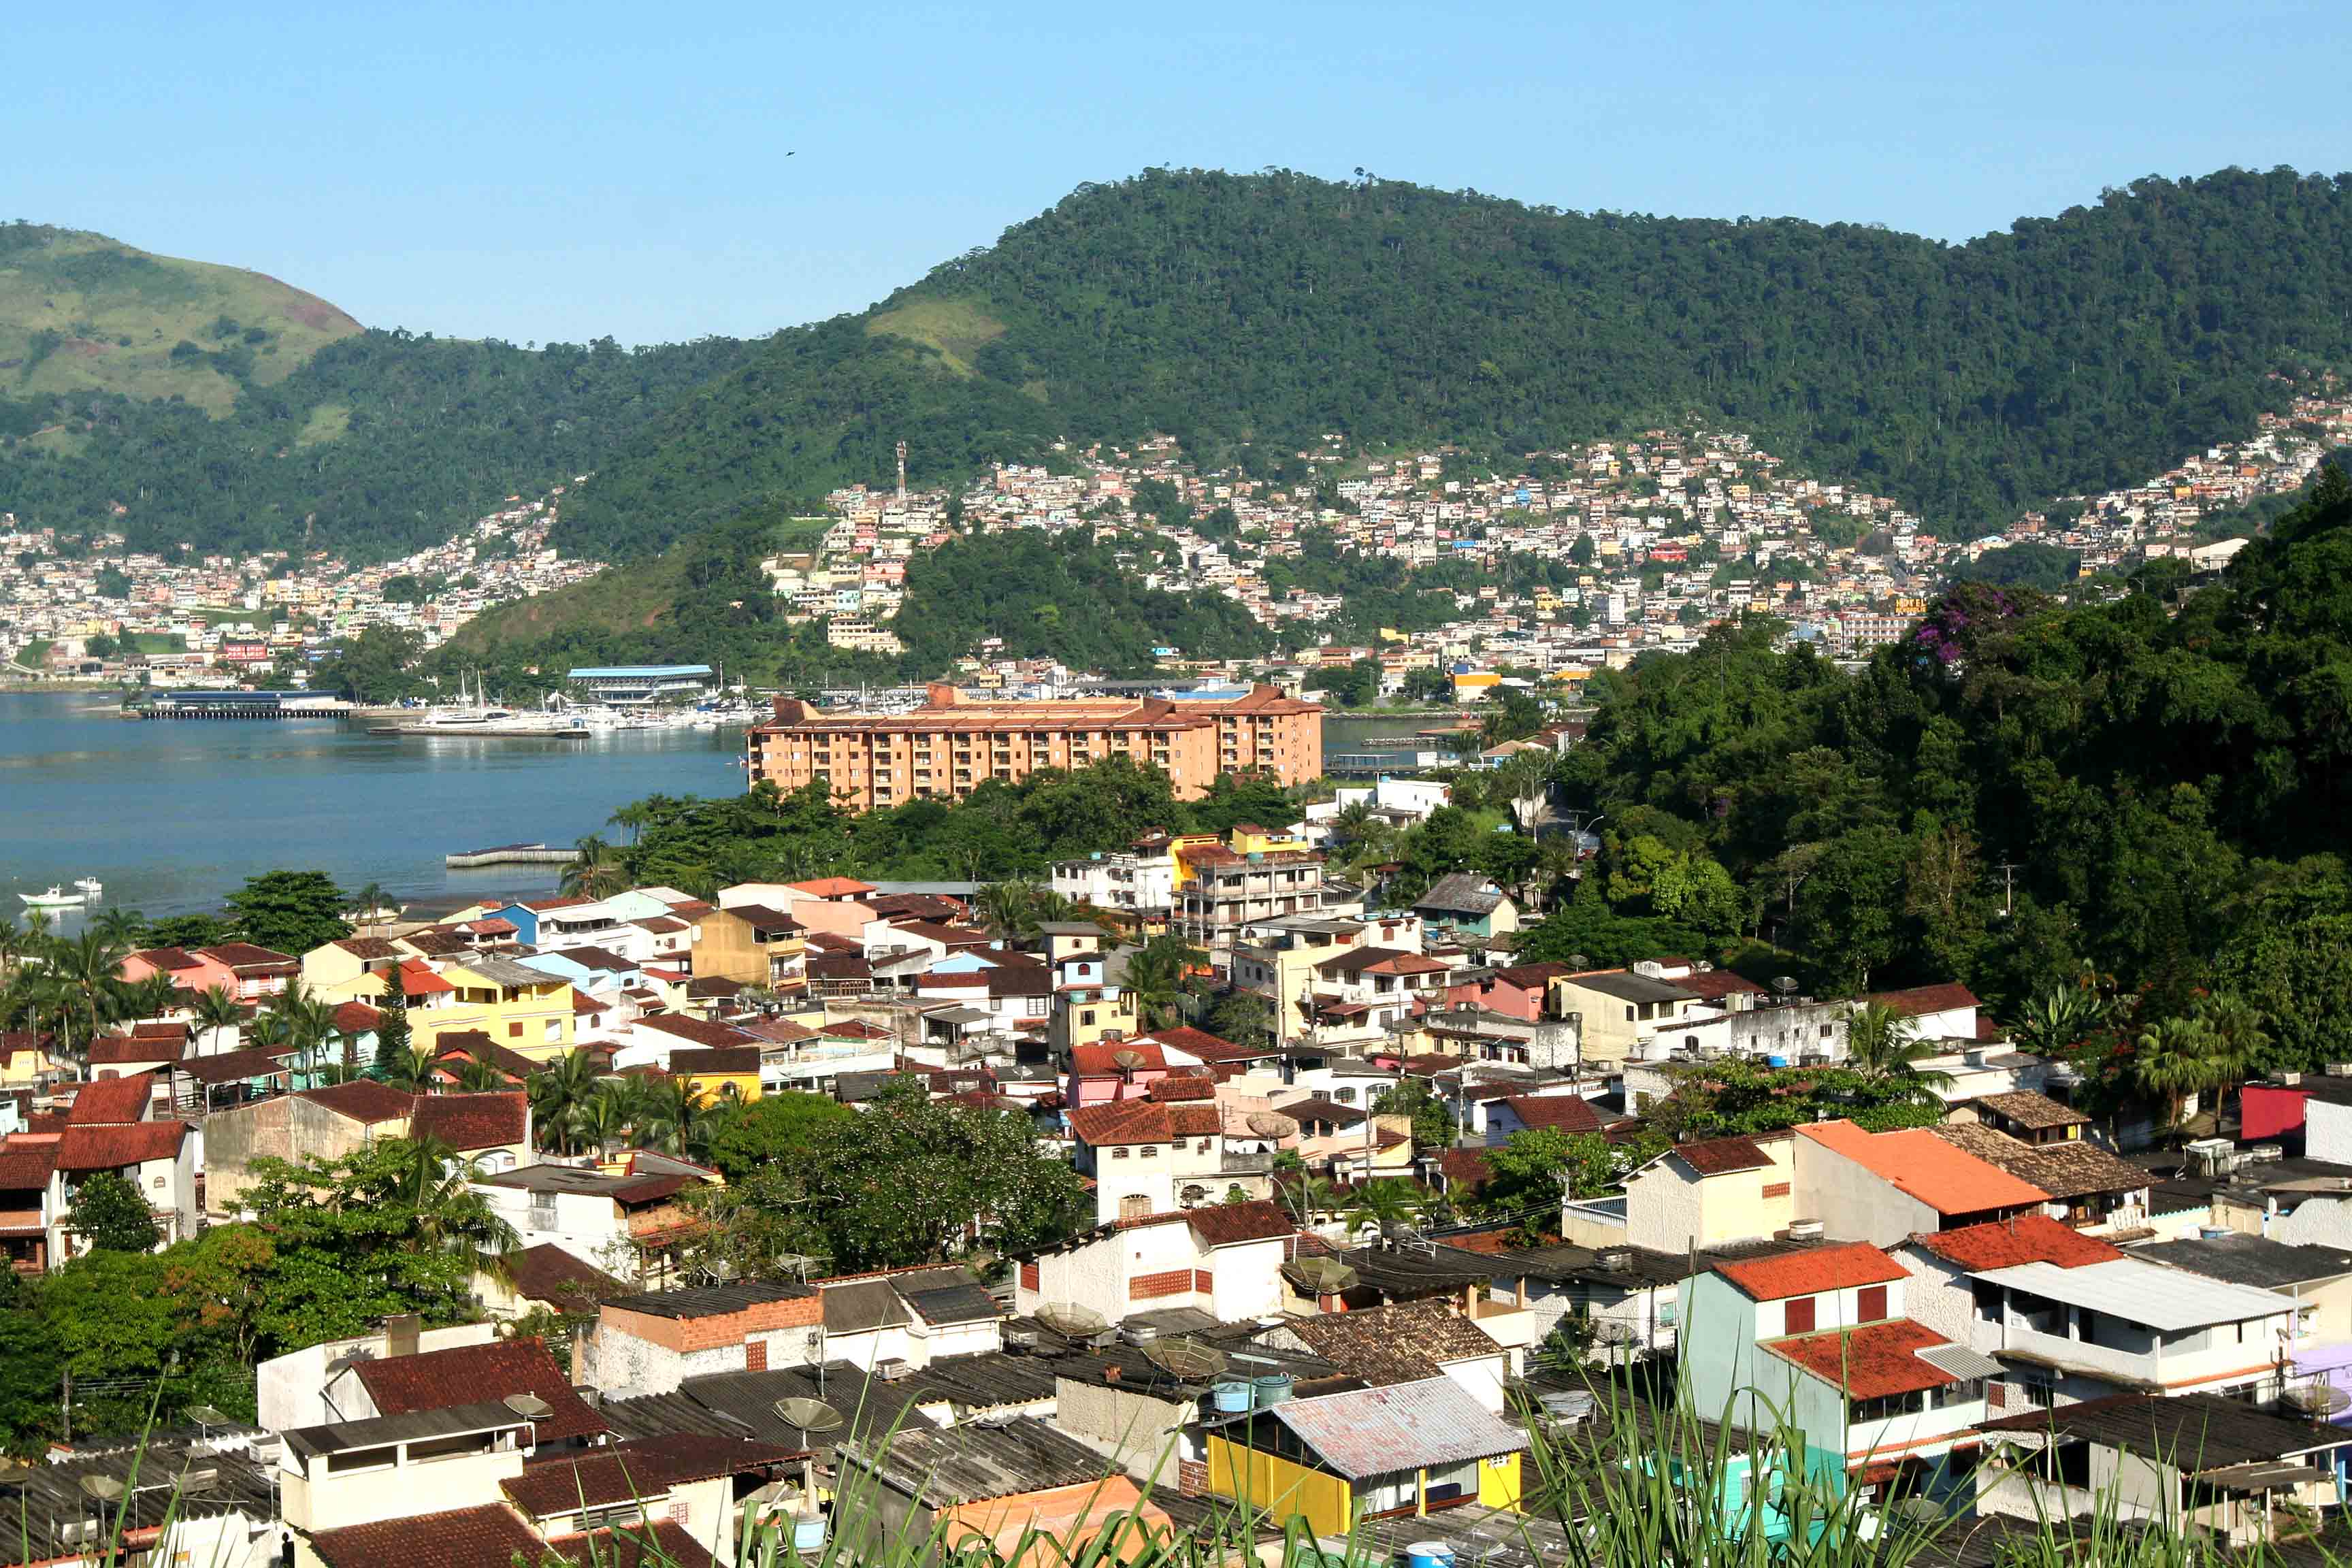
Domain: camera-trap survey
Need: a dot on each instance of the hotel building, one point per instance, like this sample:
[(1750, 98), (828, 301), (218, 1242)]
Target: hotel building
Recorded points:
[(951, 744)]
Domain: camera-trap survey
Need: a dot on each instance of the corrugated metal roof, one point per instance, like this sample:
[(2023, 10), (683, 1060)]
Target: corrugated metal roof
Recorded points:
[(2139, 1291), (378, 1431), (1960, 1362), (1403, 1427)]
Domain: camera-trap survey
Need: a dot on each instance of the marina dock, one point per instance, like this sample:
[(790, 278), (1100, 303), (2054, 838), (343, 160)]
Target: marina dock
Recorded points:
[(507, 855)]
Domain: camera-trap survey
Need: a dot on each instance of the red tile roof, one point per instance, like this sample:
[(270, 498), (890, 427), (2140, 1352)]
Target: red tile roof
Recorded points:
[(1467, 1168), (114, 1146), (246, 955), (469, 1374), (490, 1536), (1207, 1046), (701, 1031), (547, 1273), (125, 1050), (1176, 1087), (641, 1470), (112, 1099), (26, 1167), (1919, 999), (1560, 1112), (832, 887), (1869, 1362), (362, 1100), (1719, 1156), (469, 1121), (1222, 1225), (1715, 984), (1143, 1122), (418, 978), (664, 1543), (2028, 1238), (1096, 1061), (1915, 1161), (358, 1019), (1840, 1268)]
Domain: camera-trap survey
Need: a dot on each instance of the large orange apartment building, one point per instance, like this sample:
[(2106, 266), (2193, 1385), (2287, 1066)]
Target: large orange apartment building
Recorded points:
[(951, 744)]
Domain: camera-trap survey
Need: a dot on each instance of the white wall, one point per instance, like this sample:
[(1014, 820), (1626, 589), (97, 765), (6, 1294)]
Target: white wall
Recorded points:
[(291, 1389), (1853, 1203)]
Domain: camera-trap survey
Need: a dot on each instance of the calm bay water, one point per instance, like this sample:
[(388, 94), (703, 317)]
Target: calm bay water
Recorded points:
[(172, 816)]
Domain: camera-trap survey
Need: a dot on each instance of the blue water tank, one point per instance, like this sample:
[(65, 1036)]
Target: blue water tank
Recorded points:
[(808, 1533), (1776, 1061), (1230, 1398), (1429, 1555)]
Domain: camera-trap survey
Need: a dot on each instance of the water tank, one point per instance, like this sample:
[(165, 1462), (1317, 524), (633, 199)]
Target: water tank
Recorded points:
[(1229, 1397), (1805, 1230), (808, 1533), (1271, 1387), (1429, 1555), (1776, 1061)]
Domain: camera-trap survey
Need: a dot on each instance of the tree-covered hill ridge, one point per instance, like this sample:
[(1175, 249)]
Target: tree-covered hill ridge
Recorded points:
[(1247, 314)]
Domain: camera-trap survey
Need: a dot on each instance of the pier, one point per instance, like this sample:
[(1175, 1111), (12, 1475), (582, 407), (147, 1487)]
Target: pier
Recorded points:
[(508, 855), (245, 705)]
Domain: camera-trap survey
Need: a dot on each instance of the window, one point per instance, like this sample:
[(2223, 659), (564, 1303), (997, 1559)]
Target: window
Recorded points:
[(755, 1356), (1135, 1205), (1799, 1315), (1119, 1153), (1870, 1304), (514, 1031), (1151, 1151)]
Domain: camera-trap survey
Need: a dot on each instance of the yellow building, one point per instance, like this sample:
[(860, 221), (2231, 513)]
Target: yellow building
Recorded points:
[(528, 1012), (1403, 1448), (350, 970)]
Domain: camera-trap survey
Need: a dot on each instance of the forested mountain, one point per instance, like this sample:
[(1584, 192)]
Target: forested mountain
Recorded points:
[(2162, 780), (382, 442), (80, 313), (1242, 313), (1247, 314)]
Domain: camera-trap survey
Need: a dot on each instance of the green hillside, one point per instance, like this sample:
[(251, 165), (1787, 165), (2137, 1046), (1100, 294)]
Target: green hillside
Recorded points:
[(80, 313), (1247, 314)]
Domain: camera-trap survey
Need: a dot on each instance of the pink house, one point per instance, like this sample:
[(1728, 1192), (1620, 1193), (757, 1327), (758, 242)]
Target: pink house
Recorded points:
[(190, 971), (246, 972), (1098, 1078), (1518, 992)]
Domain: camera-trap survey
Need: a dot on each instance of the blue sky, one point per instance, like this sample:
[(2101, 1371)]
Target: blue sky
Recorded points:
[(537, 171)]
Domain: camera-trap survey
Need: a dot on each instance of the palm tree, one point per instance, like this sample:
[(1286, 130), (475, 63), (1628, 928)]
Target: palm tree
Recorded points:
[(2172, 1058), (595, 870), (1004, 909), (217, 1010), (637, 817), (150, 997), (309, 1022), (1555, 861), (88, 991), (413, 1073), (445, 1214), (602, 1120), (1885, 1043), (1388, 1203), (1155, 976), (674, 1118), (372, 900), (558, 1092), (117, 925), (1525, 780), (479, 1076), (1306, 1196), (2236, 1041)]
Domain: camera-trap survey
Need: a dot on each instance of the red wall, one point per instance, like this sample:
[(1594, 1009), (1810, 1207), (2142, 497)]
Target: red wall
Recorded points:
[(2270, 1111)]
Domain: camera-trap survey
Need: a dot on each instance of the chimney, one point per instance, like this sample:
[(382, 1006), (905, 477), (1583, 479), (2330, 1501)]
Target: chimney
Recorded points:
[(401, 1332)]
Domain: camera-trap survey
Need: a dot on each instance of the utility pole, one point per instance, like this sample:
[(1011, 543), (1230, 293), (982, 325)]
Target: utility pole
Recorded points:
[(902, 473), (2007, 869)]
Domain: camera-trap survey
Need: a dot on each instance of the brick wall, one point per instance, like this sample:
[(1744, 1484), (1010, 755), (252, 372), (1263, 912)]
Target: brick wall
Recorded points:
[(1191, 1478), (687, 1334), (1204, 1281), (1152, 1287)]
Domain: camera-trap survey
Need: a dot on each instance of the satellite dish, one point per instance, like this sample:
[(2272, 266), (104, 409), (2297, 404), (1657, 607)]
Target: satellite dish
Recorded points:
[(2317, 1399), (1578, 961), (1784, 984), (12, 1472), (1129, 1059), (1319, 1276), (530, 1406), (808, 1415), (1188, 1359), (1071, 1321), (1268, 1124), (207, 1415), (105, 1488)]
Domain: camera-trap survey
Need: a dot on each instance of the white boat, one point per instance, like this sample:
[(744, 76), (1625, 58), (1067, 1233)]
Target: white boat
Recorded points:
[(56, 898), (91, 885)]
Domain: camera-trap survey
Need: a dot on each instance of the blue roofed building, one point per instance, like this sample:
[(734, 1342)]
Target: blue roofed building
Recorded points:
[(642, 685)]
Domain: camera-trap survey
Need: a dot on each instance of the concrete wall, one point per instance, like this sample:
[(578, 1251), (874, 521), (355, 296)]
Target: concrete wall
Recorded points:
[(1853, 1203), (1140, 1429), (291, 1389)]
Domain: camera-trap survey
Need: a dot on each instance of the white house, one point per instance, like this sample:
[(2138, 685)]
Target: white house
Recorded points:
[(1225, 1259)]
